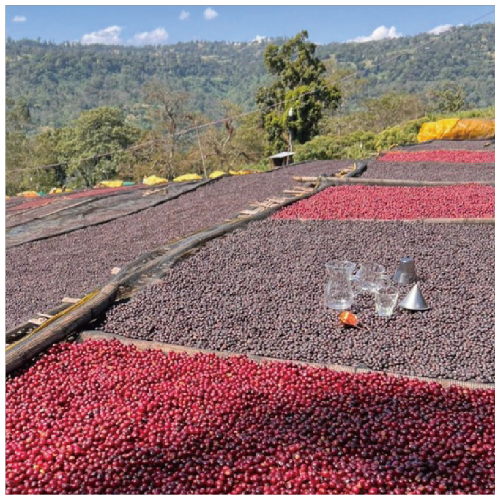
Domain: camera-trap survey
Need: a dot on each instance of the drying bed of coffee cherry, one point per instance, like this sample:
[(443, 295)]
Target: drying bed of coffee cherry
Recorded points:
[(83, 205), (260, 291), (394, 203), (104, 418), (22, 203), (39, 274), (22, 216), (428, 171), (454, 145), (445, 156)]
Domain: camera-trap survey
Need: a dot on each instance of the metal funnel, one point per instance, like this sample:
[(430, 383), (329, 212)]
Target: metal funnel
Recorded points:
[(405, 273), (414, 300)]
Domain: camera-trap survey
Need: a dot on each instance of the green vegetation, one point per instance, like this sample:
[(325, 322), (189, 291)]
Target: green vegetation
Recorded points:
[(294, 102), (59, 81), (366, 143), (329, 114), (85, 147)]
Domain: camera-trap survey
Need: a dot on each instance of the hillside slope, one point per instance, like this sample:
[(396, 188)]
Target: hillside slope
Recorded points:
[(61, 80)]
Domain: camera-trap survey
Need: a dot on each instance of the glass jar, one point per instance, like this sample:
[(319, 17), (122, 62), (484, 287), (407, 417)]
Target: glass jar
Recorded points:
[(338, 290)]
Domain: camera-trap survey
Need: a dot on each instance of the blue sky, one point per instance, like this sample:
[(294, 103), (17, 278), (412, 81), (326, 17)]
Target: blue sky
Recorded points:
[(170, 24)]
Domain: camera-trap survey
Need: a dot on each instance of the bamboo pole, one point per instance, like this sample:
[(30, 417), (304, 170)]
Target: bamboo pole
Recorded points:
[(59, 327), (21, 329), (390, 182)]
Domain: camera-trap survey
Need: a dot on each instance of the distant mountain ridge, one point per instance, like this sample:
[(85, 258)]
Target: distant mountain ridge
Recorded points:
[(59, 81)]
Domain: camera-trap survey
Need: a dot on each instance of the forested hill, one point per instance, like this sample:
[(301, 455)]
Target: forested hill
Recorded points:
[(61, 80)]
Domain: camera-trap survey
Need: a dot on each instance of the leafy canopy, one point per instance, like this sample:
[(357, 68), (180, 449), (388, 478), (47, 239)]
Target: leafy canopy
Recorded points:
[(295, 101), (95, 133)]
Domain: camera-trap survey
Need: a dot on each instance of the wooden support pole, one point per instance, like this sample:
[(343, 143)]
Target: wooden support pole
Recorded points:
[(201, 153)]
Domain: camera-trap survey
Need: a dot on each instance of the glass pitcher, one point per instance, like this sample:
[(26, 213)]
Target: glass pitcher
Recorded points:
[(338, 290)]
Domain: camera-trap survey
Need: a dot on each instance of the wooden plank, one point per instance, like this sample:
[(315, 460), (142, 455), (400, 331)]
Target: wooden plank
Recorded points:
[(37, 322), (490, 221), (66, 299), (392, 182)]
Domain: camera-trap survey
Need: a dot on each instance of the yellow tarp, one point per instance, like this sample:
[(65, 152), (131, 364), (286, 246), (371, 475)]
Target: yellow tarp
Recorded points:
[(457, 129), (187, 177), (110, 183), (58, 190), (241, 172), (154, 180), (28, 194), (217, 174)]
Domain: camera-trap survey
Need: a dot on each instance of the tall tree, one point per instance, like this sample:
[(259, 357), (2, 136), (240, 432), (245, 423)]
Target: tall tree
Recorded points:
[(448, 98), (17, 119), (295, 101), (351, 87), (86, 145), (169, 114), (217, 140)]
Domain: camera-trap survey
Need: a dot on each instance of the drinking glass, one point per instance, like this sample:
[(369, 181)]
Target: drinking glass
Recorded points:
[(386, 298), (368, 274)]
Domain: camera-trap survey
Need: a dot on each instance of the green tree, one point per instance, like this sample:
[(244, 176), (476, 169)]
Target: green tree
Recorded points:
[(351, 87), (391, 109), (448, 98), (216, 141), (249, 141), (17, 154), (46, 151), (86, 145), (169, 114), (295, 101)]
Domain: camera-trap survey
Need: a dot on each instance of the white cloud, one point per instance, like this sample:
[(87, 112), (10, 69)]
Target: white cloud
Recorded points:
[(106, 36), (260, 39), (440, 29), (379, 33), (184, 15), (19, 19), (154, 37), (210, 14)]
